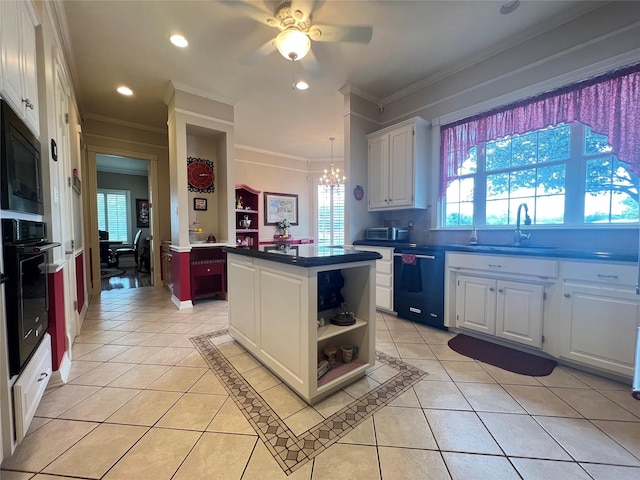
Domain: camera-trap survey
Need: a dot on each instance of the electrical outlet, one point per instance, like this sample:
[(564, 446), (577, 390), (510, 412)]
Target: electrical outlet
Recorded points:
[(410, 225)]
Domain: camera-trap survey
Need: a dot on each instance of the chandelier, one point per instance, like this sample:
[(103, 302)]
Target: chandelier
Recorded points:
[(332, 178)]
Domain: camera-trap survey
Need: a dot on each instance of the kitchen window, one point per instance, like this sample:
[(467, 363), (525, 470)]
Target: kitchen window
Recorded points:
[(567, 172), (113, 213), (330, 215)]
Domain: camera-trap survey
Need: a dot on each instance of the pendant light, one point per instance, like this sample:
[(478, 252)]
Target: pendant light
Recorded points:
[(332, 178)]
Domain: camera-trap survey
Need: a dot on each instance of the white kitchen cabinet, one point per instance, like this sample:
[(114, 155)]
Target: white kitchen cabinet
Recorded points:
[(18, 71), (506, 309), (600, 315), (397, 166), (501, 296), (384, 276), (274, 313)]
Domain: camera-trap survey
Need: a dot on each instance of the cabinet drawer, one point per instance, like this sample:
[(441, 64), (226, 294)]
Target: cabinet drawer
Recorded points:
[(207, 269), (386, 252), (30, 386), (513, 264), (600, 272), (384, 267), (383, 280)]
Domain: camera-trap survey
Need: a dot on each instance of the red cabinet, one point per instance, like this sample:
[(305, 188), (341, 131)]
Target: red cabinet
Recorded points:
[(208, 279)]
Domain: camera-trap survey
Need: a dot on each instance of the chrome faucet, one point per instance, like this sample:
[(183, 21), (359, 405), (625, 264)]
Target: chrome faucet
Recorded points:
[(518, 235)]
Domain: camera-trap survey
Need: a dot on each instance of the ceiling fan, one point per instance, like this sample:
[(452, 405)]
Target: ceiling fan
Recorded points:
[(293, 19)]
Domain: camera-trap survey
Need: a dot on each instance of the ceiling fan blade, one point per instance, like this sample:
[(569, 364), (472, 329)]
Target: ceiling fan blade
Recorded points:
[(311, 65), (251, 10), (266, 49), (336, 33)]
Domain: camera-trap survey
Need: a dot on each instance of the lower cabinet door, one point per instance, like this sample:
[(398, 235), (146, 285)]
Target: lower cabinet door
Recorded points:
[(476, 303), (520, 308)]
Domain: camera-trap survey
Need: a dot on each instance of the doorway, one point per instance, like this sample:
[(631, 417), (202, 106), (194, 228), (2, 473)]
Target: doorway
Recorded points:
[(123, 222)]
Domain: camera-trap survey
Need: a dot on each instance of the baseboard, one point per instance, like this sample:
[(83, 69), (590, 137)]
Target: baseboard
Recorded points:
[(182, 305), (61, 376)]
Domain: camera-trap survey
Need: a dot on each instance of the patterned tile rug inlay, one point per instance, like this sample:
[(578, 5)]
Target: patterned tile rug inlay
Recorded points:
[(289, 450)]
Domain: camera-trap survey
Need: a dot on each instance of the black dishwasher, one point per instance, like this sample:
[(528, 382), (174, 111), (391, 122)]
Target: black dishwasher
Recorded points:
[(418, 285)]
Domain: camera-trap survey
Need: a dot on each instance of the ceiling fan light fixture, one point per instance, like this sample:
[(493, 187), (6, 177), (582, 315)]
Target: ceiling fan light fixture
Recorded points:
[(302, 85), (293, 44)]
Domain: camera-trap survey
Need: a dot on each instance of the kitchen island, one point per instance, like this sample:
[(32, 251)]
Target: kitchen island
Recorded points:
[(281, 301)]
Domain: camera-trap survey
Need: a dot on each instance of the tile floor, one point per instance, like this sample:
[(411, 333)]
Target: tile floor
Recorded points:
[(141, 403)]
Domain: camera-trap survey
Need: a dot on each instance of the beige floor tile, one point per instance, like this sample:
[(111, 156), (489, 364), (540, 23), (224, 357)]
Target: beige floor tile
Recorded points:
[(61, 399), (283, 400), (598, 382), (180, 328), (609, 472), (303, 420), (208, 383), (388, 347), (80, 367), (404, 463), (230, 419), (99, 336), (407, 399), (444, 352), (593, 405), (178, 379), (464, 466), (261, 379), (146, 408), (137, 354), (363, 434), (560, 377), (101, 354), (46, 444), (99, 406), (403, 427), (262, 466), (543, 469), (103, 374), (522, 436), (626, 434), (383, 335), (505, 377), (383, 373), (461, 432), (140, 376), (361, 387), (415, 350), (153, 327), (433, 367), (44, 476), (540, 401), (37, 423), (193, 359), (103, 446), (467, 372), (201, 464), (409, 336), (622, 398), (6, 475), (133, 338), (162, 339), (489, 398), (168, 356), (396, 324), (193, 411), (351, 461), (333, 403), (440, 395), (243, 362), (81, 349), (433, 336), (585, 442), (157, 455)]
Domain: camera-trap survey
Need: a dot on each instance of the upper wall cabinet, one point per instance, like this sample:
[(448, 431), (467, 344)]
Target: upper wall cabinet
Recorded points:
[(398, 166), (18, 72)]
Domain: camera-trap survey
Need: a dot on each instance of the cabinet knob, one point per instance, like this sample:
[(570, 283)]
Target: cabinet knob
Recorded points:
[(43, 375), (500, 290), (491, 289), (567, 295), (208, 270), (27, 103)]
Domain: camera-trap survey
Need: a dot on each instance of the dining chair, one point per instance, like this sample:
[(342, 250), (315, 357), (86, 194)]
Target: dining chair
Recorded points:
[(130, 249)]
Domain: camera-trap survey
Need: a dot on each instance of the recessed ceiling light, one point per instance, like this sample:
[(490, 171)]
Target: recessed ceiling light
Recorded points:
[(125, 91), (302, 85), (179, 41), (509, 6)]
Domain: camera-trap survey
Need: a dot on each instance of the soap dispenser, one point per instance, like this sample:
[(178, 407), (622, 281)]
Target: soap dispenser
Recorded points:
[(474, 237)]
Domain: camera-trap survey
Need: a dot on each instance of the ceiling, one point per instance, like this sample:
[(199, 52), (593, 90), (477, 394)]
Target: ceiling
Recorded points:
[(113, 43)]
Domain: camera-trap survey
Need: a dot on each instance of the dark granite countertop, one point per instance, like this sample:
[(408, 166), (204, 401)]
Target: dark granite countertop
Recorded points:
[(308, 255), (529, 250)]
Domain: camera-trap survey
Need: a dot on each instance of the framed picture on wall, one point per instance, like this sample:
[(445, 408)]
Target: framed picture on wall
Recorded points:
[(199, 203), (142, 213), (280, 206)]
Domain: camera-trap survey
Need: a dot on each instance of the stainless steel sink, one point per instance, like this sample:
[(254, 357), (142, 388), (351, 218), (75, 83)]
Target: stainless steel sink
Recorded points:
[(506, 248)]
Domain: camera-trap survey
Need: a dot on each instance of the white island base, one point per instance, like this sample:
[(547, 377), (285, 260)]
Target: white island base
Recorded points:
[(273, 313)]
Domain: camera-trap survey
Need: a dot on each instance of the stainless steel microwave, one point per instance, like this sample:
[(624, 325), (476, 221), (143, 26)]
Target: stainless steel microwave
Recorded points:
[(387, 233), (21, 168)]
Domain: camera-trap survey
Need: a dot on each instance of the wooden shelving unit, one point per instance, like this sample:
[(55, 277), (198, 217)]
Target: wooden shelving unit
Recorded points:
[(247, 209)]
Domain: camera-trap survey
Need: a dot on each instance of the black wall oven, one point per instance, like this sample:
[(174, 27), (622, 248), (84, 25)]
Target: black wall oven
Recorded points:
[(418, 285), (26, 259)]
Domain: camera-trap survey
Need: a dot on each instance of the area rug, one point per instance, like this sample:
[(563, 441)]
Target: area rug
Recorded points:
[(293, 451), (502, 357), (109, 272)]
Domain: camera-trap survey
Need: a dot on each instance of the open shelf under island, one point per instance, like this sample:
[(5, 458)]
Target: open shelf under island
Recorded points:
[(274, 312)]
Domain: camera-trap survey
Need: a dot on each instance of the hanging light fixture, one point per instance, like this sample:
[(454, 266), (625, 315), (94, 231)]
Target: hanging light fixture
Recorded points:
[(332, 178), (293, 44)]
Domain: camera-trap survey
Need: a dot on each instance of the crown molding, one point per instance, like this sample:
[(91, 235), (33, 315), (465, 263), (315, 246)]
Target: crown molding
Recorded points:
[(123, 123)]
